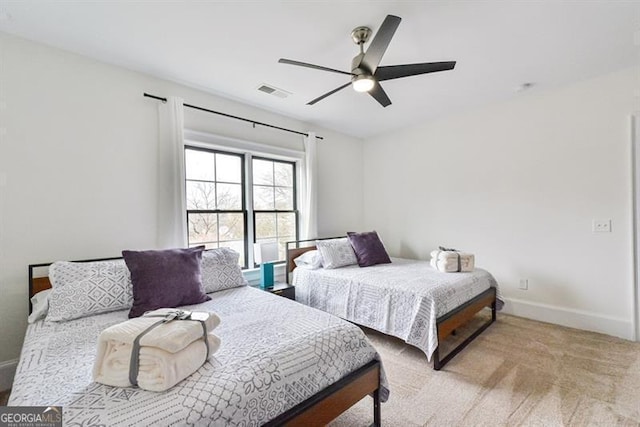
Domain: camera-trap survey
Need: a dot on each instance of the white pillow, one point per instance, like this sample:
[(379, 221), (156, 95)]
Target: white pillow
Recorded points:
[(84, 288), (220, 270), (39, 305), (310, 259), (336, 253)]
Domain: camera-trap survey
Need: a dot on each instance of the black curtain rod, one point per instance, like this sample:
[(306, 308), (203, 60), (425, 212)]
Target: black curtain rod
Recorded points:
[(195, 107)]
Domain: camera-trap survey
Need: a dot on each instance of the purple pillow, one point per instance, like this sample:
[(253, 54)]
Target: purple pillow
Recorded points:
[(168, 278), (368, 248)]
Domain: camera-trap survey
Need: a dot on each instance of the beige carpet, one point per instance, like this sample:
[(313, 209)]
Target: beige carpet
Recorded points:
[(518, 372)]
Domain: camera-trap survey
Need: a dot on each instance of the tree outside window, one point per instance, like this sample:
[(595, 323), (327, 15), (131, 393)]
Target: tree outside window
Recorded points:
[(274, 202), (218, 206), (216, 214)]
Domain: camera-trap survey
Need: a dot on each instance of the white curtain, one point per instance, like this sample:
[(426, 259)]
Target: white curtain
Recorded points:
[(310, 189), (635, 149), (172, 215)]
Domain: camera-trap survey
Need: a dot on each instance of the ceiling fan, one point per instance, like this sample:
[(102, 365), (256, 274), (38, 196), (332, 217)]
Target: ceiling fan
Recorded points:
[(365, 72)]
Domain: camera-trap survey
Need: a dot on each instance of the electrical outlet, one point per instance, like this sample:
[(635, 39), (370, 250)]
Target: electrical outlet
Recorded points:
[(524, 284), (602, 226)]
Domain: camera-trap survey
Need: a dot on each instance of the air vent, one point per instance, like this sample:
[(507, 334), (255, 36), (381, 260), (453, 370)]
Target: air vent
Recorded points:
[(272, 90), (266, 89)]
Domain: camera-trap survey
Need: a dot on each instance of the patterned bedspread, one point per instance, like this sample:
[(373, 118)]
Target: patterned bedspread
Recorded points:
[(275, 353), (402, 299)]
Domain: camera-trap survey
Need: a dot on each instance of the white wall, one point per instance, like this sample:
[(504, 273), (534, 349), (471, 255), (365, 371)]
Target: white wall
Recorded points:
[(519, 184), (77, 164)]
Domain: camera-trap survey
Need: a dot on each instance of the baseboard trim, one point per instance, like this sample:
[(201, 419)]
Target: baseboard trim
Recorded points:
[(7, 371), (617, 327)]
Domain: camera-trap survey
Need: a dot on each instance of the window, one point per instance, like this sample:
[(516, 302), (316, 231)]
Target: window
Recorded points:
[(274, 202), (221, 197), (216, 214)]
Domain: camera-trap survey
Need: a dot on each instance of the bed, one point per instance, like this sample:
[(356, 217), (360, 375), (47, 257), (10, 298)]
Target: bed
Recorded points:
[(280, 362), (407, 299)]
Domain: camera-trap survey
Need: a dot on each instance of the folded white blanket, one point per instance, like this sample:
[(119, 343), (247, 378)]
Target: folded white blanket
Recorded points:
[(447, 261), (168, 353), (172, 337), (159, 369)]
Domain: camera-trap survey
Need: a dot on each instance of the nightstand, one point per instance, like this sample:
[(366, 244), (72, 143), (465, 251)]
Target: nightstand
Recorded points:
[(282, 289)]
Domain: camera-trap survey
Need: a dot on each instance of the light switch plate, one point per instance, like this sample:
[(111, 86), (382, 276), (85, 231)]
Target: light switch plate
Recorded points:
[(602, 226)]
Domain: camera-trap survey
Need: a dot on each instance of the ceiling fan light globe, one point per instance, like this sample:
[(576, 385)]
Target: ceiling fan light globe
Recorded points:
[(363, 83)]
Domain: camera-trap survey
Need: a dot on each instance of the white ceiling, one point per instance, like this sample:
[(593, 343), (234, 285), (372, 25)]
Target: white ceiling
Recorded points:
[(230, 48)]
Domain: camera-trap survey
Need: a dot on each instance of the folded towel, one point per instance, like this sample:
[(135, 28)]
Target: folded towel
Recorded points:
[(171, 337), (169, 352), (445, 255), (159, 369), (451, 266), (452, 261)]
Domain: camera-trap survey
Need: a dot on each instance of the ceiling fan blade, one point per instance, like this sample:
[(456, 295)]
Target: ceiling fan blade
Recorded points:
[(398, 71), (380, 42), (380, 95), (320, 98), (316, 67)]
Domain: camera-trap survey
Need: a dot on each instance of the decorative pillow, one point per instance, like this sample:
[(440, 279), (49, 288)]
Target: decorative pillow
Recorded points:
[(168, 278), (368, 248), (310, 259), (39, 305), (336, 253), (85, 288), (220, 270)]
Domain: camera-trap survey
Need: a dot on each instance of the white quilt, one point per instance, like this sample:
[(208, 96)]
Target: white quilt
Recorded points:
[(275, 353), (402, 299)]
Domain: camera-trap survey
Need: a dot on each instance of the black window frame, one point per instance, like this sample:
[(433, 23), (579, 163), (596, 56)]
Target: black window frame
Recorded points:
[(243, 211), (295, 210), (247, 184)]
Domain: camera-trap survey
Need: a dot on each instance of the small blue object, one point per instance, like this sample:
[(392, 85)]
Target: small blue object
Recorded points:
[(266, 275)]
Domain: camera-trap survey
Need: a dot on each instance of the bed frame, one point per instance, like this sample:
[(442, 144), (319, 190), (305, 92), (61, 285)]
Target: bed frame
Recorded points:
[(445, 325), (319, 409)]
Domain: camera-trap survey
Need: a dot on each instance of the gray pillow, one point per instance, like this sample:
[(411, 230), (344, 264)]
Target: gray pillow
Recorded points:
[(336, 253), (85, 288), (220, 270)]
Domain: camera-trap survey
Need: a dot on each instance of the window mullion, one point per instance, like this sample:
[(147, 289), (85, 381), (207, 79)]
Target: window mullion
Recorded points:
[(215, 187), (248, 179)]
